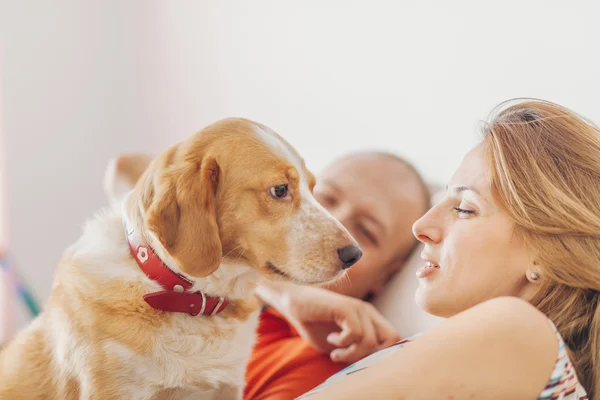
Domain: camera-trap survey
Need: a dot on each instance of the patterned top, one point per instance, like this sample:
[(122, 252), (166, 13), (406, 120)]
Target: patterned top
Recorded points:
[(562, 385)]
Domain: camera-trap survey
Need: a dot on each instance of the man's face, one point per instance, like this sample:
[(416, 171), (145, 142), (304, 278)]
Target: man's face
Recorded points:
[(377, 198)]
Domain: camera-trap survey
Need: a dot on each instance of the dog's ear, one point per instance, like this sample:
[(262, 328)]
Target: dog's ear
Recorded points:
[(122, 173), (182, 214)]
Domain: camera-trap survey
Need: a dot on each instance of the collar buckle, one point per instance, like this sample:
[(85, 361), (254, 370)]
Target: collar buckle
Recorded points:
[(218, 306)]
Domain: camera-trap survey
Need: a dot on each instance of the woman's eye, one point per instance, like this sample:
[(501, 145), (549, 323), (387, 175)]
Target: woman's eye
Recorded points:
[(463, 211), (279, 191)]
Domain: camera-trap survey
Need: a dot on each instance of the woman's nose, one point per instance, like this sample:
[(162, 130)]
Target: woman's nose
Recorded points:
[(426, 229)]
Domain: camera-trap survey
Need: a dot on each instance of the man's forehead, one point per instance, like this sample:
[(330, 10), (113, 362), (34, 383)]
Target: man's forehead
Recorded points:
[(370, 170), (389, 189)]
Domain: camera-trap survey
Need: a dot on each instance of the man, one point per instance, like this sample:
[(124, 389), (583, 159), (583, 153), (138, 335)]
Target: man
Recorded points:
[(377, 197)]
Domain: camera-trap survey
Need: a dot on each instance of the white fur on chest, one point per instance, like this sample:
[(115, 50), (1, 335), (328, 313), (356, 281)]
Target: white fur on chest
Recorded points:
[(198, 355), (193, 354), (211, 350)]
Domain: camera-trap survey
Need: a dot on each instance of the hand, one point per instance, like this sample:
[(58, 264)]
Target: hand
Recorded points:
[(347, 328)]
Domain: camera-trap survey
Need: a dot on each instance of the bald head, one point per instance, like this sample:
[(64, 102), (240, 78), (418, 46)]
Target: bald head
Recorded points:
[(377, 197), (394, 169)]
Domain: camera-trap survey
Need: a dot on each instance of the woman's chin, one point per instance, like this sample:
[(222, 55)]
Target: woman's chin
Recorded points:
[(421, 298), (427, 301)]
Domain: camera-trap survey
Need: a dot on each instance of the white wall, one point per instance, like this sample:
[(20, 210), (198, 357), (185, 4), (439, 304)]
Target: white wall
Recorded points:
[(69, 102), (414, 76), (83, 80)]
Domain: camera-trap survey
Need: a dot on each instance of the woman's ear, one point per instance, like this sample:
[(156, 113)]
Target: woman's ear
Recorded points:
[(533, 273), (533, 278), (182, 214)]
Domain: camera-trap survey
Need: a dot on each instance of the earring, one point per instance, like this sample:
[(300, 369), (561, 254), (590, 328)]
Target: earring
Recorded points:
[(534, 276)]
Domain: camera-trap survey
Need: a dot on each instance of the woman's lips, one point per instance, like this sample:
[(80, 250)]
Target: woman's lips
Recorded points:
[(427, 270)]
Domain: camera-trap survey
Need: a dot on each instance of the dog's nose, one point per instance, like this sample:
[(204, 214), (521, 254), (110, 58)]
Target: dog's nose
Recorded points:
[(349, 255)]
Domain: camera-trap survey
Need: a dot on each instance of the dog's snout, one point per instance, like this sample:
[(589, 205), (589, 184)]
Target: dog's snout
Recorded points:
[(349, 255)]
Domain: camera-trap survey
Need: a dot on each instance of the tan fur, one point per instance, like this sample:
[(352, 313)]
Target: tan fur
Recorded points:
[(205, 208)]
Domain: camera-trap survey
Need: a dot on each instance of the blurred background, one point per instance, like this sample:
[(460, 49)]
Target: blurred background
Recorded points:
[(81, 81)]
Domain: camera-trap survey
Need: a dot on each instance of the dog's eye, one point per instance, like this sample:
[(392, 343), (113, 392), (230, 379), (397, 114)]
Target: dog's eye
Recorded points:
[(279, 191)]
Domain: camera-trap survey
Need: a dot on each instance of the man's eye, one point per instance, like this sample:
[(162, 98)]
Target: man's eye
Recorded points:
[(279, 191), (367, 234), (329, 200), (325, 199)]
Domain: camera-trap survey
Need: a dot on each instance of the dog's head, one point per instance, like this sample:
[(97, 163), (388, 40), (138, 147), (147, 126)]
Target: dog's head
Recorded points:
[(237, 193)]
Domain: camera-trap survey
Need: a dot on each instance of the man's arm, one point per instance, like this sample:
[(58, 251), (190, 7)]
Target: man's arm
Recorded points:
[(275, 294), (346, 328)]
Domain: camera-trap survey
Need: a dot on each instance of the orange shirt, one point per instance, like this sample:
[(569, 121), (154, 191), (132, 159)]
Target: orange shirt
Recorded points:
[(283, 366)]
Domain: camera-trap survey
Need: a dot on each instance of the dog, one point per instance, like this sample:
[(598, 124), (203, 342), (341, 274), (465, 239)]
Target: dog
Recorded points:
[(155, 300)]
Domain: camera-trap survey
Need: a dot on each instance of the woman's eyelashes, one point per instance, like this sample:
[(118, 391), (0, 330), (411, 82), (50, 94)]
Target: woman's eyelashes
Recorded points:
[(461, 207), (464, 211)]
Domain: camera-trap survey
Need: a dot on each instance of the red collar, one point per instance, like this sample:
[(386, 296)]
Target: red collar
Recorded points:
[(176, 297)]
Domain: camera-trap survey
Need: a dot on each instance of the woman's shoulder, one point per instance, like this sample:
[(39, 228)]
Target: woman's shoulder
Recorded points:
[(563, 382), (511, 323), (503, 346), (513, 316), (513, 306), (510, 337)]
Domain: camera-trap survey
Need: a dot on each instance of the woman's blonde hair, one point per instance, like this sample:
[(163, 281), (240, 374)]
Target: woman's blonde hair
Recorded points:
[(545, 163)]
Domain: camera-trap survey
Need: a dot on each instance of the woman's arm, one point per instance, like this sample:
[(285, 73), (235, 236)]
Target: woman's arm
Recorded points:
[(501, 349)]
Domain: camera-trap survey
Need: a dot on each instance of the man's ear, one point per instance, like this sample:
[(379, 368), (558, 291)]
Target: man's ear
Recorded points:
[(182, 215), (122, 173)]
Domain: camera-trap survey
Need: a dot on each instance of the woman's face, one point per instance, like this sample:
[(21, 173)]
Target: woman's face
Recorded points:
[(471, 251)]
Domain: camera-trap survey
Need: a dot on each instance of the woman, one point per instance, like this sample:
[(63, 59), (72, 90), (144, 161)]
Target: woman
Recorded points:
[(512, 259)]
